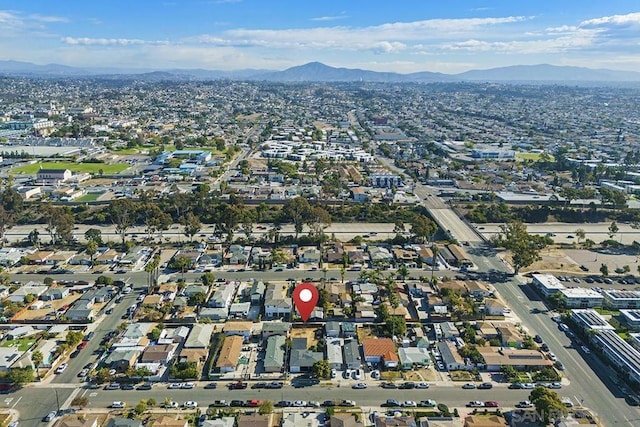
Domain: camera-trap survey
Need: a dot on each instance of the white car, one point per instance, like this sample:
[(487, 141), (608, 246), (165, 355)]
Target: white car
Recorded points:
[(187, 385), (422, 385), (360, 385), (174, 386), (528, 386), (375, 374), (553, 357), (118, 404), (190, 404), (61, 368), (171, 404), (334, 373), (409, 404), (555, 385), (300, 403), (357, 374), (524, 404), (475, 404)]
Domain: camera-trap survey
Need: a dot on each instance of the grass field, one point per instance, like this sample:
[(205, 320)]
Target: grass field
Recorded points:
[(107, 168), (23, 344), (91, 197), (531, 156)]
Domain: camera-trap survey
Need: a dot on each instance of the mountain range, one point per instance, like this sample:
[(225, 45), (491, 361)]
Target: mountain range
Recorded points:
[(319, 72)]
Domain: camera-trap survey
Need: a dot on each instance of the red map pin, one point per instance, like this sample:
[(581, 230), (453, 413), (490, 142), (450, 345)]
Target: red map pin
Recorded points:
[(305, 297)]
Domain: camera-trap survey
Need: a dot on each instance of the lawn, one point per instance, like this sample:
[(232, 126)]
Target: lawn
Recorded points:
[(531, 156), (107, 168), (91, 197), (23, 344)]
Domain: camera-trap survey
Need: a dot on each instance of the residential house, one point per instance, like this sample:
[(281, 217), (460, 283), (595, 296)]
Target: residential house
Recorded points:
[(174, 335), (200, 336), (256, 292), (121, 359), (168, 421), (309, 255), (123, 422), (276, 301), (220, 422), (344, 420), (237, 255), (270, 328), (40, 257), (81, 311), (407, 257), (332, 329), (91, 421), (159, 353), (54, 294), (380, 255), (451, 358), (134, 335), (380, 350), (254, 420), (306, 419), (302, 359), (30, 288), (106, 256), (215, 314), (240, 310), (229, 354), (334, 253), (495, 358), (152, 301), (400, 421), (348, 329), (8, 356), (484, 421), (195, 289), (425, 254), (509, 335), (493, 307), (334, 353), (275, 353), (222, 297), (477, 289), (449, 330), (414, 357), (242, 329)]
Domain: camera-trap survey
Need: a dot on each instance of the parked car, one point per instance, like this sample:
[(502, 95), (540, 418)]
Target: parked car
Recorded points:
[(586, 349), (475, 404), (211, 386), (409, 404), (187, 386), (190, 404), (469, 386), (60, 369), (429, 403), (485, 386), (275, 384), (117, 404), (112, 386), (127, 386), (359, 386), (422, 385), (524, 404), (491, 404), (145, 386), (49, 417), (171, 405), (388, 385), (174, 386), (391, 403)]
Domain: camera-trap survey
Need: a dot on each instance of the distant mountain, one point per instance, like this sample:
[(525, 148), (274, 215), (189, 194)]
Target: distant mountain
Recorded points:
[(545, 72), (319, 72)]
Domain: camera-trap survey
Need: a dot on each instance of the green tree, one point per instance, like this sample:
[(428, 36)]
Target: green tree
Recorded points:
[(525, 248), (296, 210), (613, 229), (266, 407), (321, 369), (604, 269), (548, 404), (20, 376), (180, 263), (74, 338), (140, 408), (122, 213), (192, 226), (92, 249), (580, 234), (208, 279), (197, 299), (422, 227), (93, 234), (403, 272), (80, 401)]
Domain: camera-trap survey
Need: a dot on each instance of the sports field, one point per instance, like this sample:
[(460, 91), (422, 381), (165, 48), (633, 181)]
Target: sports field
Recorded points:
[(94, 168)]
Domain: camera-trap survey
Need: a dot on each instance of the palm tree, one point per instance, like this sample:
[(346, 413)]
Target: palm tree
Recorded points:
[(343, 271), (434, 260), (37, 359), (403, 272)]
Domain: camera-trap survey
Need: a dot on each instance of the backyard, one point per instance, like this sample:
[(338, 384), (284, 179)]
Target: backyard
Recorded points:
[(23, 344)]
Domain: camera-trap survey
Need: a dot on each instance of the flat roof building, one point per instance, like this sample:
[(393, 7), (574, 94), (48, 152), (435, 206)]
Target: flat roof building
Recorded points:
[(581, 298), (547, 284), (621, 299)]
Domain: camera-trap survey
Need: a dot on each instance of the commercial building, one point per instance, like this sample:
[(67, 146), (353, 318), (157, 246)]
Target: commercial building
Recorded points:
[(581, 298), (547, 284), (621, 299)]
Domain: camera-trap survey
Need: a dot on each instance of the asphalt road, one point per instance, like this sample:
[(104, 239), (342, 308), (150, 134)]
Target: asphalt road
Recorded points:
[(595, 231), (453, 396)]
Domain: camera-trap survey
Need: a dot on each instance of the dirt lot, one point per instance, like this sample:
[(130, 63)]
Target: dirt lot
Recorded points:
[(309, 333), (50, 307), (568, 260)]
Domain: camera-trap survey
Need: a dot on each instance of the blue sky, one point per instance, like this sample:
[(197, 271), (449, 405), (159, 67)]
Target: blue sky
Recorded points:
[(384, 35)]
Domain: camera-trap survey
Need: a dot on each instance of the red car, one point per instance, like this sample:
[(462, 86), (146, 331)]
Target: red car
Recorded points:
[(491, 404), (253, 403), (82, 345)]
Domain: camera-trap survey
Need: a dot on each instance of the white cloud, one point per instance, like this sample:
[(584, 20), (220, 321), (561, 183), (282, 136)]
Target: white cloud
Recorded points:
[(329, 18), (630, 19), (87, 41), (48, 19)]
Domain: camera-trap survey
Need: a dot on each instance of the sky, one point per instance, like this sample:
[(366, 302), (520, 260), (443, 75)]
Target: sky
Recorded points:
[(383, 35)]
